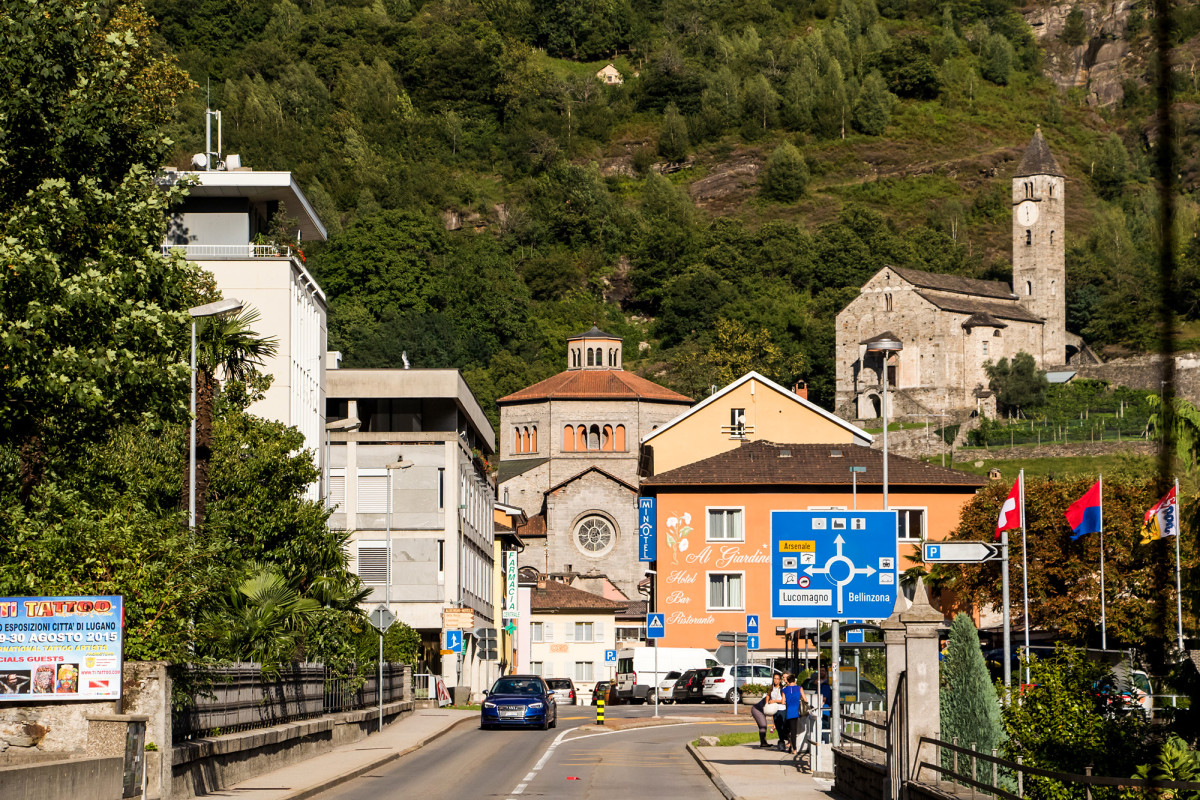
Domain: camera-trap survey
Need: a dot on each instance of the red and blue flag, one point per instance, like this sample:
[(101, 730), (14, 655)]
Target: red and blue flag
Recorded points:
[(1086, 515)]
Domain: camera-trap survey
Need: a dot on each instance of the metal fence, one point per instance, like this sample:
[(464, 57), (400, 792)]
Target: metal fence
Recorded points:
[(239, 698), (232, 251)]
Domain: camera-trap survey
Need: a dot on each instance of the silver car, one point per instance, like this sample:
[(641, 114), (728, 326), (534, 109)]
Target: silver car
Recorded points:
[(563, 690)]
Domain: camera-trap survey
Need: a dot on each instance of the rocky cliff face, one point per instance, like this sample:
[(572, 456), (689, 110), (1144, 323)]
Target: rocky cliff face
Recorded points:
[(1101, 63)]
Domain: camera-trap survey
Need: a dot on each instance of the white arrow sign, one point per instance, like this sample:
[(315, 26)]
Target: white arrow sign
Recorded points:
[(850, 570), (962, 552)]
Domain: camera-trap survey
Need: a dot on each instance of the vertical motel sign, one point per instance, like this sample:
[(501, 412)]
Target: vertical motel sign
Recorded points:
[(647, 529), (510, 586)]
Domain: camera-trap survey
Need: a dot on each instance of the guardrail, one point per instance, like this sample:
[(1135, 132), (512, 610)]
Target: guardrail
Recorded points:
[(238, 698), (248, 250), (865, 734)]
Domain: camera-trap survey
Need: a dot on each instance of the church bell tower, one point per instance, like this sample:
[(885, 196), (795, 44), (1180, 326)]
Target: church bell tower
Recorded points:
[(1039, 257)]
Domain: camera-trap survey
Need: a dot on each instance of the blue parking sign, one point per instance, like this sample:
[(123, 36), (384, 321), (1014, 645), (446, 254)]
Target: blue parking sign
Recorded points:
[(610, 656), (454, 641)]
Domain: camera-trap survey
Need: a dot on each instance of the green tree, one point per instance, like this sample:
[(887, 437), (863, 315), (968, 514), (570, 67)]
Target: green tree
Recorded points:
[(997, 59), (673, 143), (90, 322), (1111, 169), (786, 176), (1074, 30), (226, 346), (1018, 383), (970, 709), (760, 101), (908, 68), (873, 106)]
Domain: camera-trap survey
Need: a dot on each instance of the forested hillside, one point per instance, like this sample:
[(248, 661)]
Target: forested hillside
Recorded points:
[(487, 196)]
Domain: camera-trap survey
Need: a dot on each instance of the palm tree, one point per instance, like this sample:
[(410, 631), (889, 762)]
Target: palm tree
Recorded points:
[(226, 346), (262, 619)]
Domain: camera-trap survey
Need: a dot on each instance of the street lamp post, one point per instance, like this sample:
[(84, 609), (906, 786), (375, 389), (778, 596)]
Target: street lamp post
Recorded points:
[(230, 306)]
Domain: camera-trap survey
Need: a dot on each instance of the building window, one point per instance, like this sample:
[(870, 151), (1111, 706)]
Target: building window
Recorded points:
[(737, 421), (631, 633), (372, 491), (593, 439), (887, 301), (1028, 237), (581, 438), (536, 632), (1051, 237), (594, 535), (985, 347), (910, 523), (583, 632), (725, 525), (568, 442), (533, 439), (583, 671), (372, 563), (725, 591), (590, 357), (335, 497), (619, 443), (441, 560), (535, 667), (441, 488)]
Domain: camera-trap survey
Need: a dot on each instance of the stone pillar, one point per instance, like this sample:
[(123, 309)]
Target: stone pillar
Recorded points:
[(120, 736), (893, 638), (922, 622)]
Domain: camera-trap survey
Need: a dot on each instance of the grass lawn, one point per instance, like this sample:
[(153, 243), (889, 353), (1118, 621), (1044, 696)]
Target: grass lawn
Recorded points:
[(733, 739), (1077, 466), (902, 426), (467, 707)]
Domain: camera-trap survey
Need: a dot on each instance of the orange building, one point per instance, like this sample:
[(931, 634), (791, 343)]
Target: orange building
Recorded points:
[(714, 525)]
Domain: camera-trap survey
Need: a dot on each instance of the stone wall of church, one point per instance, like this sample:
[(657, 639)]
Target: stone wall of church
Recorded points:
[(569, 506)]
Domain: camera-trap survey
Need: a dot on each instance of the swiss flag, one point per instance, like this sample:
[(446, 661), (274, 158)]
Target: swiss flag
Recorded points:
[(1010, 512)]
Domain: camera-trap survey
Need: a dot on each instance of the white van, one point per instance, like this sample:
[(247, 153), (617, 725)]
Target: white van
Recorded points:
[(636, 675)]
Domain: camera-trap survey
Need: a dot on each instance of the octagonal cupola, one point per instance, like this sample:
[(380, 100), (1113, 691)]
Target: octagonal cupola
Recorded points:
[(594, 349)]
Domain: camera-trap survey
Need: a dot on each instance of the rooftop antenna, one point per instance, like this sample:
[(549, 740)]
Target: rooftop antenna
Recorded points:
[(209, 159)]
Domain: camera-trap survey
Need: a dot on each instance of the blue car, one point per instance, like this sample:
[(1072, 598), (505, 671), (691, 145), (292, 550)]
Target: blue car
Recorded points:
[(519, 700)]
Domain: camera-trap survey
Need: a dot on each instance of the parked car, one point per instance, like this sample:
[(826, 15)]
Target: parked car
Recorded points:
[(641, 669), (564, 690), (718, 683), (666, 687), (690, 686), (518, 700), (600, 690)]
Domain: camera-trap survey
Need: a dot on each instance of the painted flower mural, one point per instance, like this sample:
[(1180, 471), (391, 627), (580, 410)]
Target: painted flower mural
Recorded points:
[(678, 528)]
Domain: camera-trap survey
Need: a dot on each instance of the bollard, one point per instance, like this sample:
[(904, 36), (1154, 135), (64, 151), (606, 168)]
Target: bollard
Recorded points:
[(599, 710)]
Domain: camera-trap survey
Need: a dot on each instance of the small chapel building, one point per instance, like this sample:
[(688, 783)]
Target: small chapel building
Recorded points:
[(951, 326), (569, 450)]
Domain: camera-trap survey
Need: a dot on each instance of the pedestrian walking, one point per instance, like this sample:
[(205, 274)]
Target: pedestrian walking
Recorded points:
[(793, 698), (775, 707), (759, 712)]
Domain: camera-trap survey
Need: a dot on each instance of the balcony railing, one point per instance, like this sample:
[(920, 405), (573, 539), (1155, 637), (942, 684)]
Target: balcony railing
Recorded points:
[(194, 252)]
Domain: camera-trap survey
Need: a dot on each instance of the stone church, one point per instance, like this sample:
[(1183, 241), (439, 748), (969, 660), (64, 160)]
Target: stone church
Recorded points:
[(951, 326), (569, 449)]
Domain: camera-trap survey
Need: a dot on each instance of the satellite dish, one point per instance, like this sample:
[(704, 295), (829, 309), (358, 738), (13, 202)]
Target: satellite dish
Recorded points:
[(200, 160)]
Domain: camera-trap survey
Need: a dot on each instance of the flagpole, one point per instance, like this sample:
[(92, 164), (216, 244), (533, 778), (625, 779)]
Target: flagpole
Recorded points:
[(1103, 620), (1178, 584), (1007, 623), (1025, 573)]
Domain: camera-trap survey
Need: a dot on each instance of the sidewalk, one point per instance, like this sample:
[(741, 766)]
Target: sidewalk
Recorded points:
[(313, 776), (747, 772)]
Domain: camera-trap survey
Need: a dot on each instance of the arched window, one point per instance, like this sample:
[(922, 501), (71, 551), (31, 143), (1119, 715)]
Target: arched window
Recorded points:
[(533, 440), (581, 438), (516, 440), (593, 439), (1052, 190), (1029, 288), (1028, 237), (568, 444), (525, 441), (1052, 288), (1051, 237), (887, 301), (619, 439), (589, 357), (606, 442)]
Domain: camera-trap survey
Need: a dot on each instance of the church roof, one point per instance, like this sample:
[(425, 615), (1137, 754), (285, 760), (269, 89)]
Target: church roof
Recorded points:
[(517, 466), (1038, 160), (970, 305), (595, 384), (886, 336), (955, 283), (982, 319), (594, 333)]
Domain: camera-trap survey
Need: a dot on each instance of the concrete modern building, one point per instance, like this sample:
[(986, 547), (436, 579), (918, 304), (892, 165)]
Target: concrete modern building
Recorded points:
[(217, 226), (408, 478), (569, 458), (951, 326)]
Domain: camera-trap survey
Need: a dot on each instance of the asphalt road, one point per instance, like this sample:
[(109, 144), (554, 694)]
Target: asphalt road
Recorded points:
[(579, 761)]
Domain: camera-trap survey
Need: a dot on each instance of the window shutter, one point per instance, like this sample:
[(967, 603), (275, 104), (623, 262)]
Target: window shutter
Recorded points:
[(570, 626), (547, 631), (598, 632), (372, 563), (336, 498), (372, 494)]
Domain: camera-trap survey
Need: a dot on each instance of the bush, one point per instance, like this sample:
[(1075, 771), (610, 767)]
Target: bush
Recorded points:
[(998, 59), (786, 176)]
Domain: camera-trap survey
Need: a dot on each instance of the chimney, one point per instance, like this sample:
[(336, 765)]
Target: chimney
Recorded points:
[(800, 390)]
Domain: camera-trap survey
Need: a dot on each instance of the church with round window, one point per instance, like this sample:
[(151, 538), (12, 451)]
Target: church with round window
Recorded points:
[(569, 449)]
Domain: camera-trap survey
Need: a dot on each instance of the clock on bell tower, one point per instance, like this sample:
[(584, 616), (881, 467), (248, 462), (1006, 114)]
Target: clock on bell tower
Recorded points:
[(1039, 257)]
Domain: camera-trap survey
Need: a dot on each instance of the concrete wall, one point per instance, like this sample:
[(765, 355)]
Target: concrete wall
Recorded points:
[(77, 779), (859, 777)]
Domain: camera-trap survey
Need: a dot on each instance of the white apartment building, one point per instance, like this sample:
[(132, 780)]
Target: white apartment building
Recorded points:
[(418, 438), (216, 226)]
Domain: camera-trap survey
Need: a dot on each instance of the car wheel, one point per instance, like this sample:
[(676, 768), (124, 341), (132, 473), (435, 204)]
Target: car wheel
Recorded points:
[(734, 696), (554, 724)]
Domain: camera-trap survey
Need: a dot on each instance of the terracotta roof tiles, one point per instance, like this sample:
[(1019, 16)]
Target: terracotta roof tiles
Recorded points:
[(555, 596), (595, 384)]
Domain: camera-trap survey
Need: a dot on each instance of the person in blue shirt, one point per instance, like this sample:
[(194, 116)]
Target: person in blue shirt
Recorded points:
[(793, 698)]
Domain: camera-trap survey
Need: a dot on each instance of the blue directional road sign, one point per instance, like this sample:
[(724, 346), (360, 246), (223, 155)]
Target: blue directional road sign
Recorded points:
[(752, 623), (610, 656), (855, 636), (833, 564), (752, 642), (647, 529), (656, 626), (454, 641)]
